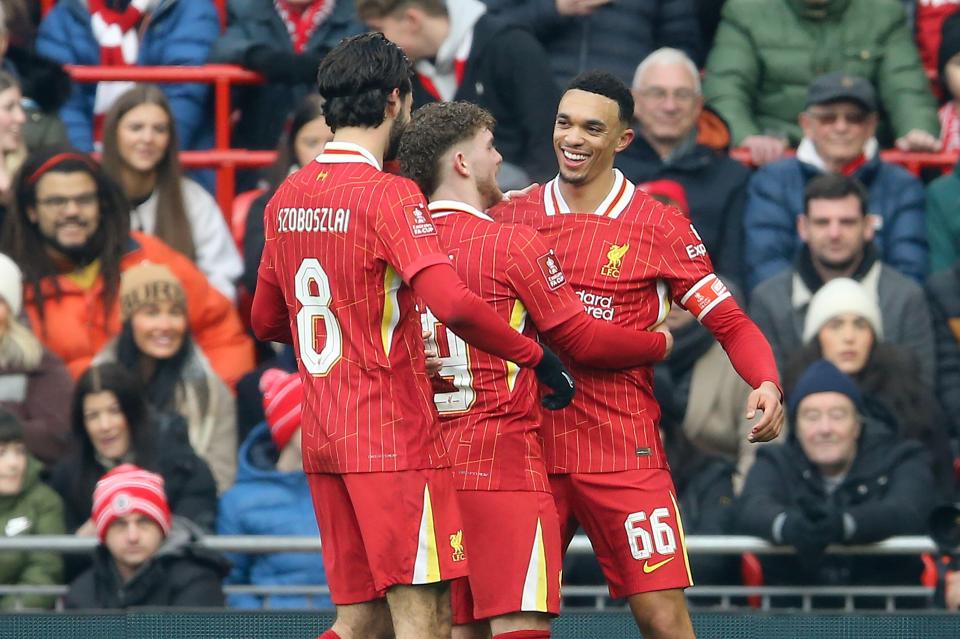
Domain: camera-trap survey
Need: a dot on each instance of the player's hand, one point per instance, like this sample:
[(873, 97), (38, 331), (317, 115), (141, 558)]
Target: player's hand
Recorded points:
[(554, 375), (509, 195), (764, 148), (765, 399), (662, 328), (433, 361)]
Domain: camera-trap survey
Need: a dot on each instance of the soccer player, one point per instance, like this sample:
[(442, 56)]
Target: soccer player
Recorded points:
[(489, 412), (348, 249), (628, 257)]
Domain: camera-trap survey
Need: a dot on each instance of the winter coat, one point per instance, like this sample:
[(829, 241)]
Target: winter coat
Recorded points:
[(616, 36), (779, 306), (255, 23), (253, 241), (187, 481), (180, 575), (175, 33), (943, 295), (716, 192), (217, 254), (943, 223), (35, 510), (265, 501), (775, 199), (706, 503), (27, 394), (74, 325), (209, 409), (888, 491), (767, 52), (508, 73), (45, 88)]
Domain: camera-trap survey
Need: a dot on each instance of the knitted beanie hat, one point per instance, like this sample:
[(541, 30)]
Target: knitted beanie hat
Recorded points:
[(130, 489), (823, 377), (11, 285), (282, 400), (839, 296), (148, 283)]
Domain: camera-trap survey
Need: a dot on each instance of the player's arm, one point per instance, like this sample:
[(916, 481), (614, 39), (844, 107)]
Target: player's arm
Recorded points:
[(269, 318), (598, 344)]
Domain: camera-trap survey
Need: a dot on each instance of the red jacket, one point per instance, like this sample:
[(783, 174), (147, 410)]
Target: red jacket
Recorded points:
[(75, 328)]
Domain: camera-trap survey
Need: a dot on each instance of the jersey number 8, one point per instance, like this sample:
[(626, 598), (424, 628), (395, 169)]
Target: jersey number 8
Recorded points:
[(320, 348)]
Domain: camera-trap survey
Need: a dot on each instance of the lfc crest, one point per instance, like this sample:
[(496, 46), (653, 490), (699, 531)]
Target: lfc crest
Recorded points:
[(614, 260), (456, 543)]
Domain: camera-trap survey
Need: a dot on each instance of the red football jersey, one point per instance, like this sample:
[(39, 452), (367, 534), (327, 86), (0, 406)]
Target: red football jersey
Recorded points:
[(343, 240), (491, 413), (626, 262)]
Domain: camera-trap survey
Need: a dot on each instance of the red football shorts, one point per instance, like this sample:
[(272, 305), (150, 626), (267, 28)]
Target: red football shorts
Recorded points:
[(384, 529), (515, 562), (633, 521)]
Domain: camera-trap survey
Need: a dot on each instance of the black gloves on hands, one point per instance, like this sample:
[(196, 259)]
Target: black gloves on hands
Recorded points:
[(810, 528), (554, 375), (285, 67)]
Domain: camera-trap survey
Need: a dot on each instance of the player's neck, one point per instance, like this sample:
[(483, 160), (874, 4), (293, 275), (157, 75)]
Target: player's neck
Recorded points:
[(459, 192), (586, 197), (373, 140)]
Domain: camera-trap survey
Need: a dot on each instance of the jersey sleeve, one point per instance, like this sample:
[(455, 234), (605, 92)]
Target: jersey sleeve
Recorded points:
[(536, 276), (407, 236), (685, 265)]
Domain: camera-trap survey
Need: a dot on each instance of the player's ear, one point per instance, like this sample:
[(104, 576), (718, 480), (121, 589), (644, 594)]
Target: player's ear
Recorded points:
[(394, 103), (459, 163), (626, 137)]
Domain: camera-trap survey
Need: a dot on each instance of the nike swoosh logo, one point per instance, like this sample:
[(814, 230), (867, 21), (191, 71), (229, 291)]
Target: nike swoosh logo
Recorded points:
[(647, 568)]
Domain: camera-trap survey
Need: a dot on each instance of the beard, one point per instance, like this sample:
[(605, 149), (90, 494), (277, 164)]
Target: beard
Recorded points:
[(840, 264), (396, 130), (490, 193), (79, 254)]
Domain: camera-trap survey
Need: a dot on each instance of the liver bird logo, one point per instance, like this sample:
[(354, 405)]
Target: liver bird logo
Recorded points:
[(614, 260), (456, 543)]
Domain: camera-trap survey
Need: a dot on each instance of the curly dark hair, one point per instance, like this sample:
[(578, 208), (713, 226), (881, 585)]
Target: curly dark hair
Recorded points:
[(609, 86), (432, 131), (25, 244), (356, 78)]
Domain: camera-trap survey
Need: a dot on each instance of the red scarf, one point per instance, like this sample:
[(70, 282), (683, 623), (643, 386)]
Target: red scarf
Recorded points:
[(302, 22), (116, 33), (949, 127)]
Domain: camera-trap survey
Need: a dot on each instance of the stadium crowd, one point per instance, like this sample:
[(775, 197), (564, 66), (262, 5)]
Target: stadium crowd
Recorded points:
[(138, 407)]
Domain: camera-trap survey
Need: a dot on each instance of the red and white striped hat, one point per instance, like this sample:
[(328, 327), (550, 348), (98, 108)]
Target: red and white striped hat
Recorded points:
[(130, 489)]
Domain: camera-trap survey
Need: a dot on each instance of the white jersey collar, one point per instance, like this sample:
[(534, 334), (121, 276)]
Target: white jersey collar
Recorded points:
[(346, 153), (443, 208), (612, 205)]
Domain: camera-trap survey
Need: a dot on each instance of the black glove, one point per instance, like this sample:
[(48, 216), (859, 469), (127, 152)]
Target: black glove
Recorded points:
[(554, 375), (284, 67), (801, 533), (826, 519)]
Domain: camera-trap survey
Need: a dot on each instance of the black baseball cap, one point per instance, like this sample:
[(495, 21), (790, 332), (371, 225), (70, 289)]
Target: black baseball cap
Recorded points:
[(837, 86)]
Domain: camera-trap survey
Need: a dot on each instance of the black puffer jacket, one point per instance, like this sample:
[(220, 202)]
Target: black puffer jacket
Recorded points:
[(889, 491), (943, 295), (180, 575)]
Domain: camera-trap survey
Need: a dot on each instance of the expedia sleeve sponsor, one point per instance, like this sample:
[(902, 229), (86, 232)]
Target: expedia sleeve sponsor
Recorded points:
[(320, 220)]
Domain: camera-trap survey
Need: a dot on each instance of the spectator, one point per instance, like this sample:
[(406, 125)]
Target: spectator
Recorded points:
[(141, 153), (943, 295), (943, 223), (931, 16), (666, 90), (45, 85), (844, 326), (837, 242), (30, 375), (113, 425), (124, 33), (69, 234), (298, 147), (285, 41), (461, 52), (948, 76), (272, 497), (840, 479), (27, 507), (12, 150), (767, 52), (146, 557), (613, 35), (838, 124), (698, 389), (155, 345)]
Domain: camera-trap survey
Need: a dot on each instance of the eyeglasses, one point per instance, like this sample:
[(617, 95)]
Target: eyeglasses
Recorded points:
[(657, 94), (60, 202), (830, 117)]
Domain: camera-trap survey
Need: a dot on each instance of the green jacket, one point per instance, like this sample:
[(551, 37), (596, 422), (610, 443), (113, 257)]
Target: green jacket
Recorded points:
[(943, 221), (37, 510), (767, 52)]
